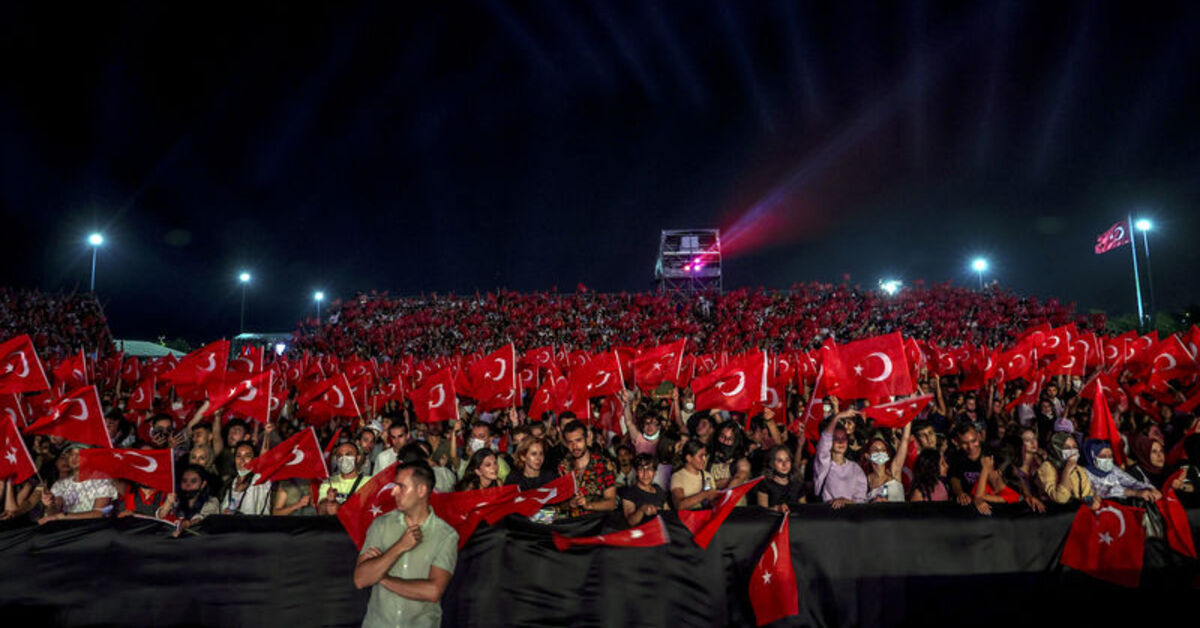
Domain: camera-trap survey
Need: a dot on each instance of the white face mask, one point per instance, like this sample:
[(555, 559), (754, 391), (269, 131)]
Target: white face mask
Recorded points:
[(1104, 464), (346, 464), (475, 444), (689, 406), (1068, 454), (880, 457), (653, 436), (242, 472)]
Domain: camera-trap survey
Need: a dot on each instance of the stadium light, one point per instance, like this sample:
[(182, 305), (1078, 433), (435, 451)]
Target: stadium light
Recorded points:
[(890, 286), (244, 278), (979, 265), (1145, 225), (95, 239), (318, 296)]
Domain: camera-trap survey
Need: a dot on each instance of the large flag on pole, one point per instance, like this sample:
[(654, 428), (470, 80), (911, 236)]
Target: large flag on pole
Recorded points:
[(1116, 236)]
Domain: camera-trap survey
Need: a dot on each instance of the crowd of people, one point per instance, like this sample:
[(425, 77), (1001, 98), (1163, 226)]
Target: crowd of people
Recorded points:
[(799, 318), (58, 323)]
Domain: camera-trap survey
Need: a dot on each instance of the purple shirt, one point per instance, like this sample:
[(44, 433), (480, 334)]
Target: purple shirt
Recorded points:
[(834, 481)]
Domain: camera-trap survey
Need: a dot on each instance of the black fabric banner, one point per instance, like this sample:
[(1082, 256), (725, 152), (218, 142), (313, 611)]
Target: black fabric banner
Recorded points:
[(886, 564)]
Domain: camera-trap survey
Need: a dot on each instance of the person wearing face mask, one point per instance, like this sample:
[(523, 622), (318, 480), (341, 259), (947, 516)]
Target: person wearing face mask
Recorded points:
[(884, 481), (244, 497), (481, 438), (642, 498), (1060, 476), (344, 481), (194, 501), (1108, 480), (644, 432)]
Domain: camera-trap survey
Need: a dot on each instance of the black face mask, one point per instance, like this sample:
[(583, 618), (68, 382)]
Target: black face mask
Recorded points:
[(723, 452), (189, 494)]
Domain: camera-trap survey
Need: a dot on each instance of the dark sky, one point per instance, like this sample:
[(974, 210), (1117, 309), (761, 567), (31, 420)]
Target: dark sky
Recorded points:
[(453, 146)]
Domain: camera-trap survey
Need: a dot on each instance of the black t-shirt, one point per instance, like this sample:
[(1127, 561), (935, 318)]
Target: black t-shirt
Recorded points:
[(966, 470), (777, 493), (641, 498), (518, 479)]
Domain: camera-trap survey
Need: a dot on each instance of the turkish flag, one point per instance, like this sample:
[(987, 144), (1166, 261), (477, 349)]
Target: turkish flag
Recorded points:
[(943, 362), (499, 401), (898, 413), (598, 377), (154, 468), (248, 362), (250, 398), (527, 376), (1105, 383), (297, 457), (1104, 427), (550, 397), (71, 373), (1031, 392), (391, 390), (735, 387), (1107, 544), (20, 369), (1117, 235), (435, 400), (704, 523), (808, 423), (15, 464), (1170, 360), (164, 364), (77, 418), (202, 366), (332, 397), (873, 368), (540, 358), (142, 397), (1179, 531), (658, 365), (1016, 363), (464, 510), (11, 406), (370, 501), (773, 592), (131, 371), (528, 502), (649, 534)]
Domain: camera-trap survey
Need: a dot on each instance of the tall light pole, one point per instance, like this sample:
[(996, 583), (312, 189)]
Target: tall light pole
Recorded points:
[(95, 240), (979, 265), (1144, 225), (244, 277), (318, 296)]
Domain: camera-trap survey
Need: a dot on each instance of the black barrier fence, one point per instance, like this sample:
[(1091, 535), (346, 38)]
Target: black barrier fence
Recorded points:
[(886, 564)]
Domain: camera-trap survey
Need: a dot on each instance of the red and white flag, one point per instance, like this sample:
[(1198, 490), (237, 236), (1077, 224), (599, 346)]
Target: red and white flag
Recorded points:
[(874, 368), (325, 400), (20, 369), (526, 503), (77, 418), (649, 534), (131, 371), (495, 375), (548, 398), (704, 523), (248, 362), (202, 366), (15, 462), (435, 400), (250, 398), (598, 377), (297, 457), (898, 413), (71, 373), (658, 365), (142, 397), (370, 501), (11, 406), (1117, 235), (735, 387), (773, 592), (464, 510), (1175, 520), (1103, 427), (154, 468), (1108, 543)]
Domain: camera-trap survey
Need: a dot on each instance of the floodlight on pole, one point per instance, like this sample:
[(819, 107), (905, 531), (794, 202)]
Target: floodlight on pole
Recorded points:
[(318, 296), (1145, 225), (244, 278), (979, 265), (890, 286), (95, 240)]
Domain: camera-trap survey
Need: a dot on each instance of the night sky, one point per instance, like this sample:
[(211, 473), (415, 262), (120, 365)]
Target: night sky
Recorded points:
[(462, 146)]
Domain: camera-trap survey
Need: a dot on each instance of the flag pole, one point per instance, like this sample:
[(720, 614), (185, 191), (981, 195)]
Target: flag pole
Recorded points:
[(1137, 284)]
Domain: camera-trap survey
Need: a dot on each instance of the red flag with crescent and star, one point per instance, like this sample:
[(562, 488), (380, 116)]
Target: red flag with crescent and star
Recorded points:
[(202, 366), (649, 534), (495, 375), (898, 413), (369, 502), (436, 400), (660, 364), (735, 387), (297, 457), (874, 368), (77, 418), (250, 397), (704, 523), (154, 468), (1107, 543), (1117, 235), (20, 369), (773, 592), (15, 462)]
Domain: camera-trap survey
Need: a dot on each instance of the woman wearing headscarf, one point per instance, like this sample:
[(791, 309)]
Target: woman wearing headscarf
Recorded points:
[(1149, 460), (1108, 480), (1060, 476)]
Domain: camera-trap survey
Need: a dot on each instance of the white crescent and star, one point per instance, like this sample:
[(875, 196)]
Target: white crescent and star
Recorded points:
[(297, 457), (887, 367), (1105, 537), (1170, 359), (503, 368), (249, 395), (341, 402), (212, 363), (772, 398), (24, 372), (83, 415), (441, 398)]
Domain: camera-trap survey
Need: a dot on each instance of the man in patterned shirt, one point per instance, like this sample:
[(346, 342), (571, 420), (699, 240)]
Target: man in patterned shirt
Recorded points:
[(593, 475)]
